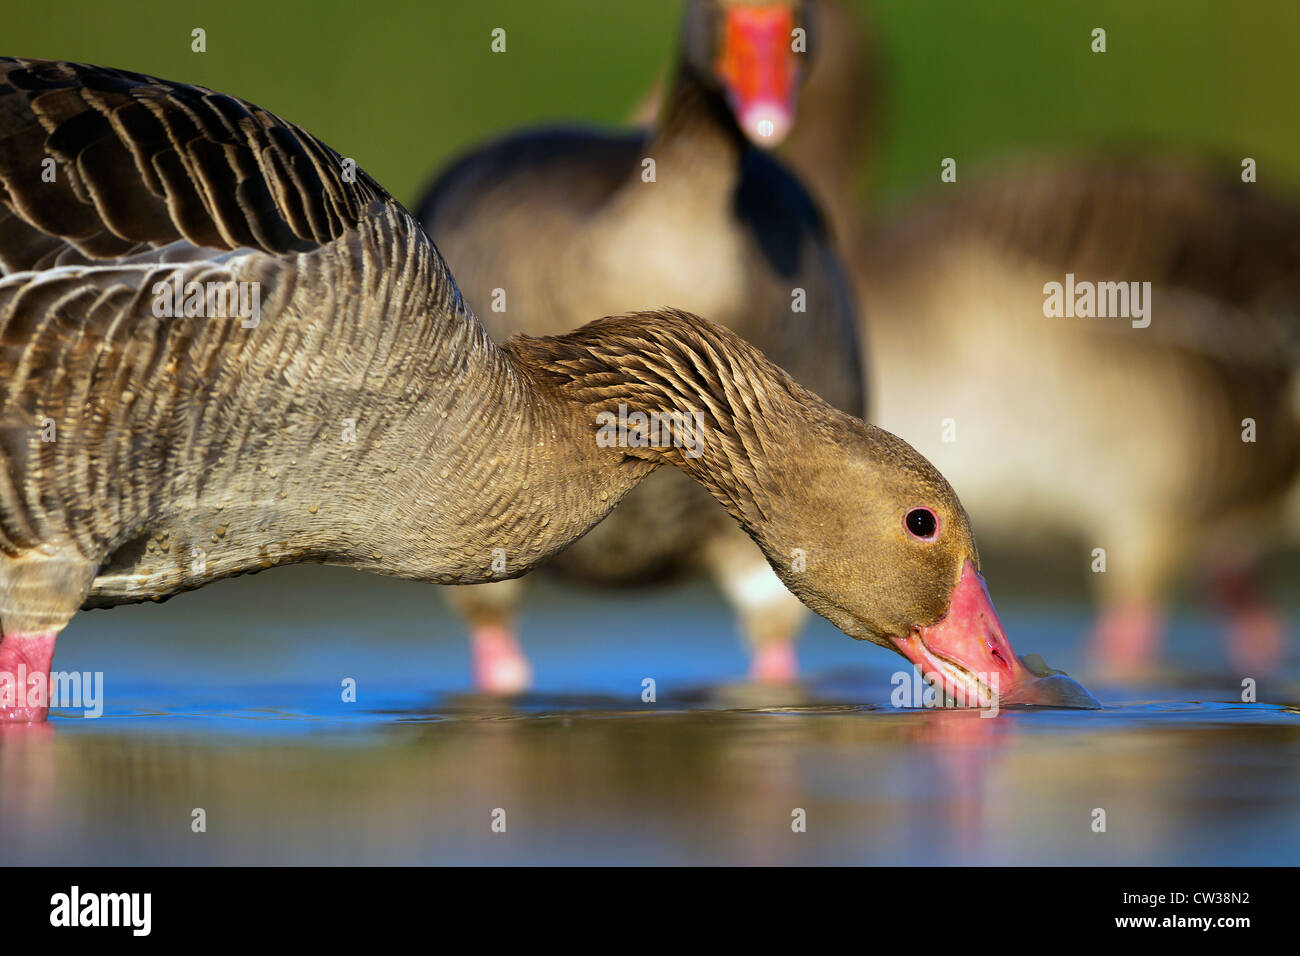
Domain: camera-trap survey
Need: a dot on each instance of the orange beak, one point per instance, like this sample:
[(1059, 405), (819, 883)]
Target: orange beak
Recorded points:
[(759, 68), (967, 653)]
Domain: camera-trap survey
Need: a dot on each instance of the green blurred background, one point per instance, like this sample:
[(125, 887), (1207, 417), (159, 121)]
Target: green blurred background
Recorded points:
[(402, 87)]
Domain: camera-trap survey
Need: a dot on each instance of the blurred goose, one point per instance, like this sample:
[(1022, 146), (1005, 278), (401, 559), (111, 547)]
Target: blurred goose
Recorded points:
[(361, 416), (1129, 439), (543, 227), (838, 103), (1167, 445)]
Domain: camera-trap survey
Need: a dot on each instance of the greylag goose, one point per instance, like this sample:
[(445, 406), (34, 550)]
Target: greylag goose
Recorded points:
[(1162, 441), (542, 227), (1128, 439), (360, 415)]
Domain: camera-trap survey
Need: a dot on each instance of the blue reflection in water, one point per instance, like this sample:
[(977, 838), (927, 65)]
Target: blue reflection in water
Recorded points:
[(230, 700)]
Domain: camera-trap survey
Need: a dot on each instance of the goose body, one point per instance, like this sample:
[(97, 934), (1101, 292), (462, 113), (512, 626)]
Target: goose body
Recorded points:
[(543, 226), (183, 449), (363, 416)]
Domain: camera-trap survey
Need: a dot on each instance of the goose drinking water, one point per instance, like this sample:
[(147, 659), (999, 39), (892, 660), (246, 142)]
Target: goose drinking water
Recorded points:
[(366, 419)]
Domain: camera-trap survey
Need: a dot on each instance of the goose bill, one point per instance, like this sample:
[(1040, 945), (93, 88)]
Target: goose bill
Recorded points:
[(758, 67), (967, 653)]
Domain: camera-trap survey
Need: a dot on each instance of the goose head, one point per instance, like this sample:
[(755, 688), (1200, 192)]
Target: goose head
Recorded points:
[(855, 522), (888, 556), (754, 53)]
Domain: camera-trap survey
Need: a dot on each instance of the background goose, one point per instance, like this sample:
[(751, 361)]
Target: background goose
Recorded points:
[(1127, 439), (1130, 440), (838, 105), (544, 227), (366, 419)]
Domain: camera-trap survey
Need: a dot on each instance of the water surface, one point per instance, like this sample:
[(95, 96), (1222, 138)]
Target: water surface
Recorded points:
[(229, 700)]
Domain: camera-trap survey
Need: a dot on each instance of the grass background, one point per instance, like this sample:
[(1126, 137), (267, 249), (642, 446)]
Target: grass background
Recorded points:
[(403, 86)]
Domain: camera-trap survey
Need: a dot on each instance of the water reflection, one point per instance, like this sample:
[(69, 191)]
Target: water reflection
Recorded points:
[(242, 718), (1180, 784)]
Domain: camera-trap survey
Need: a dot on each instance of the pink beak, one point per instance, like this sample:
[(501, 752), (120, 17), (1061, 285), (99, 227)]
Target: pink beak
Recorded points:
[(759, 69), (967, 653)]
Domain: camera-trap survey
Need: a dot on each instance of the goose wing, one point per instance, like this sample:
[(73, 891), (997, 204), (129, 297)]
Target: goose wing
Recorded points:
[(111, 181), (101, 164)]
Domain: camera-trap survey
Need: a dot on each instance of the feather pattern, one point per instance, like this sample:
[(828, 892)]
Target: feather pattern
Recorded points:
[(148, 450)]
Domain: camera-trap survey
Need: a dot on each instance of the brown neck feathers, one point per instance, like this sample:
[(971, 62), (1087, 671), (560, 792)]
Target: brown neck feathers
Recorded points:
[(671, 387)]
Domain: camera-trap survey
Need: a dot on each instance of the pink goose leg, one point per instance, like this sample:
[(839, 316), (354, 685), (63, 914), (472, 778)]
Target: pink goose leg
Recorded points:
[(497, 661), (770, 616), (25, 676), (1254, 630), (1126, 640), (774, 662), (500, 665)]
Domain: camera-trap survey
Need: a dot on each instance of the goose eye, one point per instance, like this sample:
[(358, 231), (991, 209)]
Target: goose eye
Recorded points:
[(922, 523)]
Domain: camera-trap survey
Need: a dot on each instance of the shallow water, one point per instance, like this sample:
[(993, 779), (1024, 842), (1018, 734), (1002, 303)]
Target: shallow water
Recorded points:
[(229, 700)]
